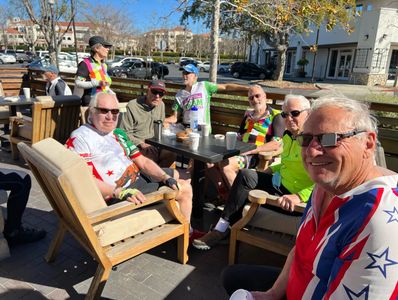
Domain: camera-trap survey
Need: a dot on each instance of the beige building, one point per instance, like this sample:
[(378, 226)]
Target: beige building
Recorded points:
[(175, 39)]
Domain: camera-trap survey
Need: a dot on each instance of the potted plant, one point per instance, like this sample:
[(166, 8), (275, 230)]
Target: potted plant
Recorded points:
[(302, 63)]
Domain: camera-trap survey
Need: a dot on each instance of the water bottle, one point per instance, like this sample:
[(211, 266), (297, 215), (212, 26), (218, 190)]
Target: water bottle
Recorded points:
[(194, 118), (158, 126)]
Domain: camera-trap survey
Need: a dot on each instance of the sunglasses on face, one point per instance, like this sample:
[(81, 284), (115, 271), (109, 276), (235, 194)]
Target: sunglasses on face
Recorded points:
[(326, 139), (104, 111), (293, 113), (186, 73), (107, 47), (257, 96), (156, 92)]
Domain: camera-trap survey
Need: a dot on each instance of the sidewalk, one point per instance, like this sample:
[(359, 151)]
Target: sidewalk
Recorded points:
[(153, 275)]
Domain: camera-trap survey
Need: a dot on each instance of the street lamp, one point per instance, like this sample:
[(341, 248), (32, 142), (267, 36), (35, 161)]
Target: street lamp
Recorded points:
[(53, 39)]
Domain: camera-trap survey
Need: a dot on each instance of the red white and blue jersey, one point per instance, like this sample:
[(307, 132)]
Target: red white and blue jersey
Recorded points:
[(110, 155), (352, 251)]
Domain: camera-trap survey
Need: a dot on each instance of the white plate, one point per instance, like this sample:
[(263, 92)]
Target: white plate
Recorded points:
[(12, 98)]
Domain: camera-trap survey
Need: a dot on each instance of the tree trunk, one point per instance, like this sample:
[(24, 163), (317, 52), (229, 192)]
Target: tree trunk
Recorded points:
[(280, 66), (214, 40)]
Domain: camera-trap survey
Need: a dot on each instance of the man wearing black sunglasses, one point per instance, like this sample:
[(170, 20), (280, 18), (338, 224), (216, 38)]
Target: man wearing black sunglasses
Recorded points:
[(120, 170), (138, 122), (289, 180), (345, 247)]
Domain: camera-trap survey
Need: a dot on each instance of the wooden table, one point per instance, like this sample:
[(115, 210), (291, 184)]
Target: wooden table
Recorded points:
[(211, 150)]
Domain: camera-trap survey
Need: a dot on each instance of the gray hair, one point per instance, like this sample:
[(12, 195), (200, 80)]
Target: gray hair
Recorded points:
[(256, 86), (304, 102), (361, 118), (94, 48), (94, 102)]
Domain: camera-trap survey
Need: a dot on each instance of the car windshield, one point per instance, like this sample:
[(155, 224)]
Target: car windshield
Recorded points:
[(128, 64)]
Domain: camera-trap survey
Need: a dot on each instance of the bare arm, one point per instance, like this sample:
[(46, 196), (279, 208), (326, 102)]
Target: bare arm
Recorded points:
[(278, 290), (232, 87), (267, 147)]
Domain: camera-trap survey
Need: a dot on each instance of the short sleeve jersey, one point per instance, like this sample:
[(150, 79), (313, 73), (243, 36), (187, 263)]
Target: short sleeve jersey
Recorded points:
[(199, 96), (351, 252), (110, 156)]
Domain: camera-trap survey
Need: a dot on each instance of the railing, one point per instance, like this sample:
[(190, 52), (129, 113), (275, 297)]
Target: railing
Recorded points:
[(227, 110)]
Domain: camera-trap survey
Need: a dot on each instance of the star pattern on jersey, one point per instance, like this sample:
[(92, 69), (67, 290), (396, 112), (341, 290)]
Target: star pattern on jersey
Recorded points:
[(109, 173), (381, 262), (69, 143), (393, 215), (363, 294)]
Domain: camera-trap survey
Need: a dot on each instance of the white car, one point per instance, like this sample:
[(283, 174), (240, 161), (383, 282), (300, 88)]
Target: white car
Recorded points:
[(204, 66), (7, 59), (119, 62)]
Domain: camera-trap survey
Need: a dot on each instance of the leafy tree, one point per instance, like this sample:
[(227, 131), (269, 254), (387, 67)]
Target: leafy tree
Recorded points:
[(275, 20)]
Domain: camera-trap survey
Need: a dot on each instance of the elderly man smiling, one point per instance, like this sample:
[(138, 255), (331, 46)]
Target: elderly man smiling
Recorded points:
[(345, 247), (120, 170)]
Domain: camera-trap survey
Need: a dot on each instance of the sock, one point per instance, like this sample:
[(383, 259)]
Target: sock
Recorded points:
[(222, 225)]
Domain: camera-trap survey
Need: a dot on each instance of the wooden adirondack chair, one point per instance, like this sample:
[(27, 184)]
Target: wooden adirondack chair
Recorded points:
[(111, 234), (51, 117)]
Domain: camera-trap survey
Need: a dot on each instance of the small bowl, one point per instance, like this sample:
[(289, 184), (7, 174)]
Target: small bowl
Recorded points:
[(219, 136)]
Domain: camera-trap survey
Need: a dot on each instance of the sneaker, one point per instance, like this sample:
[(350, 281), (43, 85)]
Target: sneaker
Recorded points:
[(210, 239), (24, 235), (196, 234)]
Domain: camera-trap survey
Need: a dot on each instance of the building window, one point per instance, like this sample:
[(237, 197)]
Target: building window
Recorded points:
[(370, 7), (358, 9), (361, 58)]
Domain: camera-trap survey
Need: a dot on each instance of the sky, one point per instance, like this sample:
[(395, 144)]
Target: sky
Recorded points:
[(147, 14)]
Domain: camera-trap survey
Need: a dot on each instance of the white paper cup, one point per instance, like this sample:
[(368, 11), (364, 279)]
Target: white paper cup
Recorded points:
[(205, 129), (194, 141), (26, 92), (241, 294), (230, 139)]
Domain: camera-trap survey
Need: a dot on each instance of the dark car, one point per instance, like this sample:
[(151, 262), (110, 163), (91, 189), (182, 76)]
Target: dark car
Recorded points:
[(141, 70), (248, 69), (188, 62)]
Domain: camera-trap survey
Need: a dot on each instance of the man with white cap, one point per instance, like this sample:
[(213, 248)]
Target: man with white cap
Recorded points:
[(55, 86), (197, 94)]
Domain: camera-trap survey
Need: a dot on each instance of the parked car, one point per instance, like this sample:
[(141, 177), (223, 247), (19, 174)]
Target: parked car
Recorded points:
[(204, 66), (249, 69), (171, 62), (64, 65), (119, 62), (7, 59), (140, 69), (224, 68), (184, 58), (187, 62)]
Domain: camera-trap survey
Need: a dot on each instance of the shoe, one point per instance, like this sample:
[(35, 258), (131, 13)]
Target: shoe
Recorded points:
[(196, 234), (210, 239), (24, 235)]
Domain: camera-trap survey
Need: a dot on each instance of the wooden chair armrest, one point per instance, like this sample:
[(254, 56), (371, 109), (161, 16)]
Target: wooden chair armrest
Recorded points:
[(266, 157), (262, 197), (125, 206)]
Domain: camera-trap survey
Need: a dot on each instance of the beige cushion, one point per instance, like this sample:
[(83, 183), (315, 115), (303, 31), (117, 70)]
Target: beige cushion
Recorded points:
[(132, 223), (76, 171), (270, 220)]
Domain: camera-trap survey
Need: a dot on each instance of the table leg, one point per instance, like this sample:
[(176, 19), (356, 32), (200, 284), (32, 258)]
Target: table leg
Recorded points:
[(198, 194)]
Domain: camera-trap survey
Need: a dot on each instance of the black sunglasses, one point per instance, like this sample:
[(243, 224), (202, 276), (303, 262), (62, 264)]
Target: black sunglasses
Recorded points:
[(104, 111), (156, 92), (257, 96), (293, 113), (107, 46), (326, 139)]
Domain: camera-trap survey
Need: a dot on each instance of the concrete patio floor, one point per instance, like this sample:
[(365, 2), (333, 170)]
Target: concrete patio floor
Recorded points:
[(153, 275)]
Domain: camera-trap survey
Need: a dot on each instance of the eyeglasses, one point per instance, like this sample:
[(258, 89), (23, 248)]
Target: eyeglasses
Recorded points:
[(293, 113), (104, 111), (156, 92), (257, 96), (326, 139), (107, 46)]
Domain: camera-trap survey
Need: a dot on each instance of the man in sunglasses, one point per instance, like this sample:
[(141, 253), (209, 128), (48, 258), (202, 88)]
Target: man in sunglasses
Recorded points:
[(197, 94), (120, 170), (346, 246), (138, 122), (92, 72), (289, 180)]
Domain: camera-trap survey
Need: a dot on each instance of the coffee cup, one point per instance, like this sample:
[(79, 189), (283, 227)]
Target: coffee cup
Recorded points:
[(26, 92), (194, 140), (230, 140), (205, 129)]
